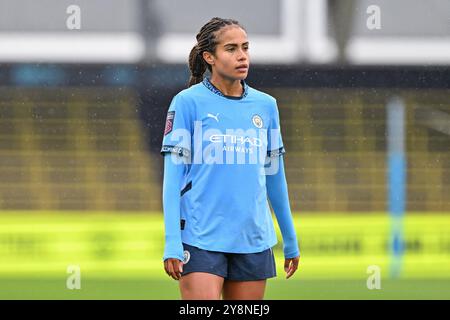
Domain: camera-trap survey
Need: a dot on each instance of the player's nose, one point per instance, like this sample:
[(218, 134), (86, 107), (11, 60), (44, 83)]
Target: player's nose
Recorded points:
[(242, 56)]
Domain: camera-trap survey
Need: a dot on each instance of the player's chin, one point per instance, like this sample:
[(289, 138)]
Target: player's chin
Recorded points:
[(241, 74)]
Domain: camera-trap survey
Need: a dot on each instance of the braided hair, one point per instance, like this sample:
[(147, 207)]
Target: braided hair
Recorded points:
[(206, 41)]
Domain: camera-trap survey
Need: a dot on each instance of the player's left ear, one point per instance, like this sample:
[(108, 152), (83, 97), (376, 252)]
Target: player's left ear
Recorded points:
[(209, 58)]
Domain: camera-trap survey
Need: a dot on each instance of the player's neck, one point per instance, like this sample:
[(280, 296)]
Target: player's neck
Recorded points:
[(228, 87)]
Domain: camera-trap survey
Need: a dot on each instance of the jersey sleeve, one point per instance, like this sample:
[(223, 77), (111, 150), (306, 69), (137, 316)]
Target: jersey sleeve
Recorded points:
[(178, 128), (275, 146)]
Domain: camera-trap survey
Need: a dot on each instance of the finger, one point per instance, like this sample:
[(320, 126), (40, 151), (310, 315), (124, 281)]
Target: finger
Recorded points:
[(291, 270), (170, 269), (175, 273), (179, 265), (286, 264), (177, 269), (166, 267), (295, 263), (288, 272)]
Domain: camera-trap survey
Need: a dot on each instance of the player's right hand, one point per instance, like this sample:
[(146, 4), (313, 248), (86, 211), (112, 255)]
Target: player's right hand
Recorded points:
[(173, 268)]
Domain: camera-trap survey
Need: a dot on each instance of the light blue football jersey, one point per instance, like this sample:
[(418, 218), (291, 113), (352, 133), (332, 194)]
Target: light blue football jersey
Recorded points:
[(225, 143)]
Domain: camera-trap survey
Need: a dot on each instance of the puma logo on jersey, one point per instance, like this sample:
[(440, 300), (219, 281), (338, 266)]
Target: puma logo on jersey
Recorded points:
[(214, 116)]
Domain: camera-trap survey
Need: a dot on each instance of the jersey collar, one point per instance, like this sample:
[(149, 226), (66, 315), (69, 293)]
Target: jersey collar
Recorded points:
[(213, 88)]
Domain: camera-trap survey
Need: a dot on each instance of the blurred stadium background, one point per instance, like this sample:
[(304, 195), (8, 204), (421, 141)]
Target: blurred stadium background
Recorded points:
[(81, 121)]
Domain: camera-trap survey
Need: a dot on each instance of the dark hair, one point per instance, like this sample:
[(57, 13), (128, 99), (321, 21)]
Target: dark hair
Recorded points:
[(206, 41)]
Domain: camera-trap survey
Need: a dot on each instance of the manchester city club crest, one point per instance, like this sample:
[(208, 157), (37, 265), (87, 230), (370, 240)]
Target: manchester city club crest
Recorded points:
[(187, 256), (257, 121)]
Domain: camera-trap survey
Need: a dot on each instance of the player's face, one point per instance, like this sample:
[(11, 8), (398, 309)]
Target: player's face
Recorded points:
[(232, 59)]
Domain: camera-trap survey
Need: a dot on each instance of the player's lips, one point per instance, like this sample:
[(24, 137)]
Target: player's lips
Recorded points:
[(242, 68)]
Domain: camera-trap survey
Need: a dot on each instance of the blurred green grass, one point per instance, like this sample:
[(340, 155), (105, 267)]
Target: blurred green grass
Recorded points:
[(277, 289)]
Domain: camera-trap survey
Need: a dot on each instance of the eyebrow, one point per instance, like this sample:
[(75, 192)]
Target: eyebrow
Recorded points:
[(233, 44)]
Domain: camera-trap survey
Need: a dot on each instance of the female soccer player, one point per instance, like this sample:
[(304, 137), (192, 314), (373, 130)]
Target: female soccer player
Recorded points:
[(223, 152)]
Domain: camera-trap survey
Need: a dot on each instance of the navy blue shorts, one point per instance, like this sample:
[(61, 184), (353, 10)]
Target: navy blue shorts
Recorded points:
[(231, 266)]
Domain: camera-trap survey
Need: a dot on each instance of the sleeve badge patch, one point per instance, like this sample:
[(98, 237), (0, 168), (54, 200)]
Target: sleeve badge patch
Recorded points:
[(169, 122)]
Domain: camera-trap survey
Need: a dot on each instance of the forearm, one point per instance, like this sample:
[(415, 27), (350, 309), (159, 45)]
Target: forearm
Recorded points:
[(277, 191), (173, 174)]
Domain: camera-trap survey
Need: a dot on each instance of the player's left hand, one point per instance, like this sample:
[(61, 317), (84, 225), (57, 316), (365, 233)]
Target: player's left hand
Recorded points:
[(290, 266)]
